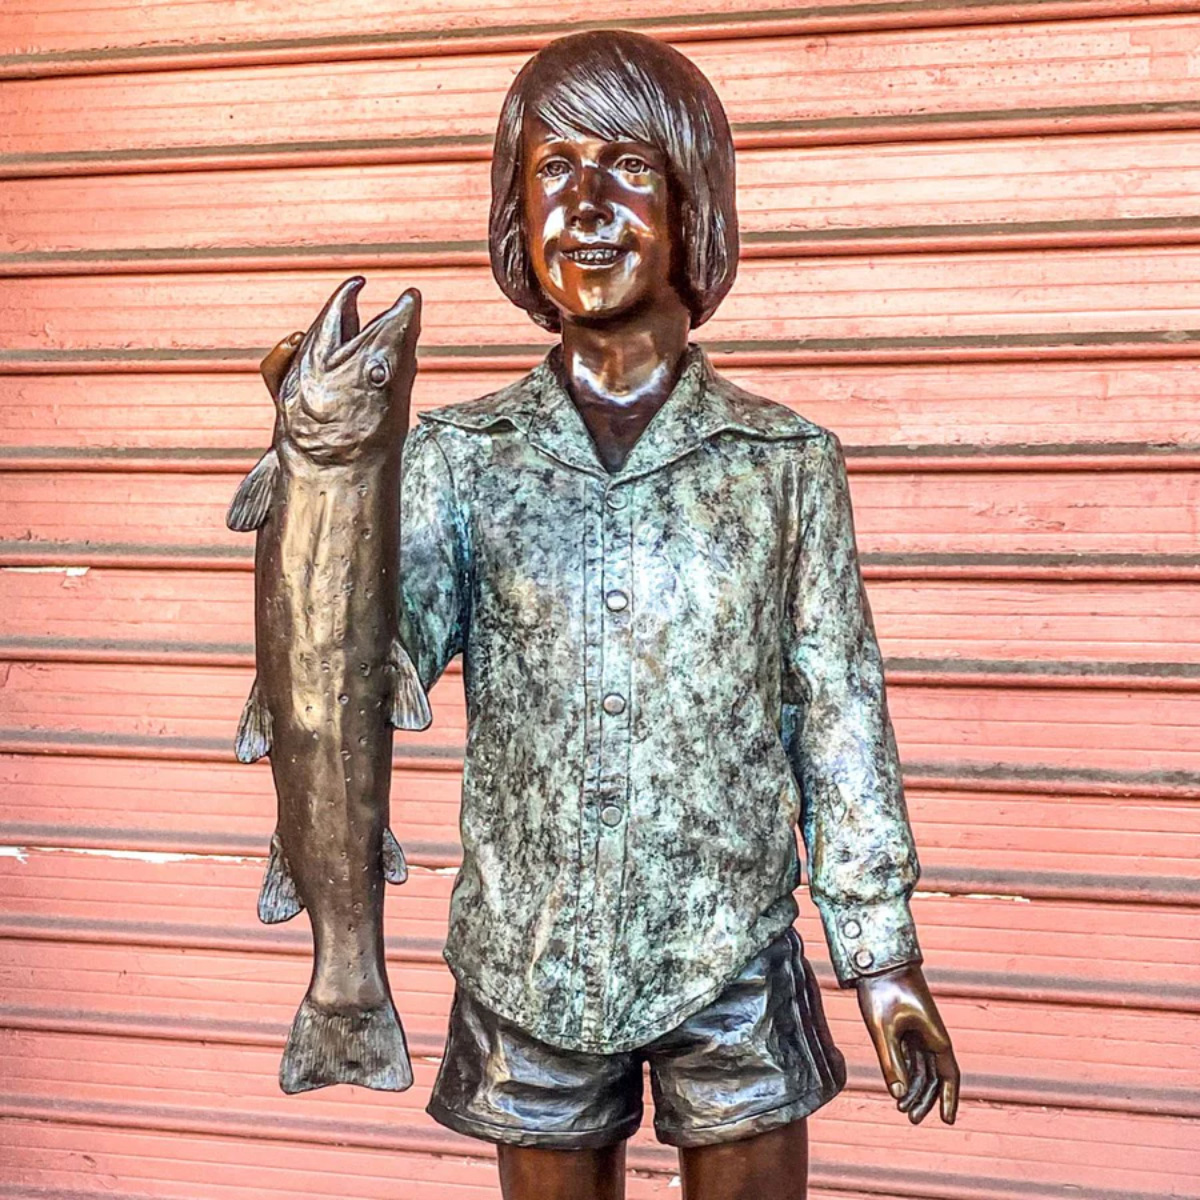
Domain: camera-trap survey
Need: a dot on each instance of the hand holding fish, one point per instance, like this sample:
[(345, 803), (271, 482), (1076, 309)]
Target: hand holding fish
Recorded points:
[(333, 679)]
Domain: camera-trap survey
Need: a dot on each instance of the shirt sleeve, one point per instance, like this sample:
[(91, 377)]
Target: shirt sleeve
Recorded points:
[(433, 557), (862, 861)]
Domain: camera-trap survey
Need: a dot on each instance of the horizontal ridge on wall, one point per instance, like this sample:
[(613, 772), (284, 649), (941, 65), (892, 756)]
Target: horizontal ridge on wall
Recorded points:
[(24, 554), (747, 135), (125, 50), (995, 1089), (1026, 457), (940, 776), (1090, 346), (893, 1183), (947, 672), (1069, 886), (1146, 994)]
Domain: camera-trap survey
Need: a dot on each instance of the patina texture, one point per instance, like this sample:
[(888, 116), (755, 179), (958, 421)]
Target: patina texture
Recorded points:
[(666, 669)]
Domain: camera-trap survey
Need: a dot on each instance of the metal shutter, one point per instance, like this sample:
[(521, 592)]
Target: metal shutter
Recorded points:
[(971, 248)]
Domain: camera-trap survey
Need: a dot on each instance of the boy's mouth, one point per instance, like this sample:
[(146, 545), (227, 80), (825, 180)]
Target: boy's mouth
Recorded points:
[(594, 256)]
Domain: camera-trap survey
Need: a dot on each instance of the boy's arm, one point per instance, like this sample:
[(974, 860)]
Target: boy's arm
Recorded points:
[(433, 557), (862, 861)]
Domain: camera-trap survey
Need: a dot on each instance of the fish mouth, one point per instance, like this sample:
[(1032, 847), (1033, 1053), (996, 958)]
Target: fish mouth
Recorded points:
[(338, 334), (595, 256)]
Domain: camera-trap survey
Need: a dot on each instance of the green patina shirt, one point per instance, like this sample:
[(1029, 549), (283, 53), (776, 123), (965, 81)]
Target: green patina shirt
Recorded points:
[(667, 670)]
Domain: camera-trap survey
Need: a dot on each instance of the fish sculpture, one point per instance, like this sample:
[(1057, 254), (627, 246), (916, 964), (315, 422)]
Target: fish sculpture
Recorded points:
[(333, 679)]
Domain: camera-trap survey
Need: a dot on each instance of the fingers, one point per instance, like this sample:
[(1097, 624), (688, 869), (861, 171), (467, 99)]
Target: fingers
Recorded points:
[(274, 367), (918, 1076), (925, 1099), (950, 1081)]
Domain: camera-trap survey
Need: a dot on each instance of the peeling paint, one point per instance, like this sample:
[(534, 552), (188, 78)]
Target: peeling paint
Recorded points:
[(156, 857), (70, 572)]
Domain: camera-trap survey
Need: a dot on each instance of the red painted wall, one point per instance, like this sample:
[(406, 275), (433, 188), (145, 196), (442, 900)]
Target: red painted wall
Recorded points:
[(972, 248)]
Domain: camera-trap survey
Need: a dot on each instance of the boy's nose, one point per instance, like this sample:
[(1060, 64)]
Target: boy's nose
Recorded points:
[(589, 210)]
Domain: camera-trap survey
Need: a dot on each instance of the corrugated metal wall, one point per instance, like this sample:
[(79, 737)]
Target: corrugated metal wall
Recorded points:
[(972, 247)]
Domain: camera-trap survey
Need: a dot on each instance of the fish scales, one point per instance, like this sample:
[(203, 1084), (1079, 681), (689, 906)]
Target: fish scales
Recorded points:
[(333, 679)]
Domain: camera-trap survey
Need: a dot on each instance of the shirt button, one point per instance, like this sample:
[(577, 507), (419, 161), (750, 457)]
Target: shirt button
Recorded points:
[(864, 960), (851, 929), (614, 705), (616, 601), (611, 815), (617, 499)]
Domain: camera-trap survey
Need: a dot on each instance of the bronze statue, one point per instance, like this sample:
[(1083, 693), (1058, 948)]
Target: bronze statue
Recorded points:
[(333, 678), (669, 665)]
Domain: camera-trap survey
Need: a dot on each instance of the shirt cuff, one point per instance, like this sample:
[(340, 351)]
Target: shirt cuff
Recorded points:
[(865, 939)]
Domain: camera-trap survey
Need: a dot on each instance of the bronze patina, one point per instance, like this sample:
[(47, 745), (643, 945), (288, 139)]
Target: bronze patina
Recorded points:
[(332, 677), (670, 665)]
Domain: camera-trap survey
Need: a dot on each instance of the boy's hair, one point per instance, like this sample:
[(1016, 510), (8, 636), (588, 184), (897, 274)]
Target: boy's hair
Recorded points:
[(618, 85)]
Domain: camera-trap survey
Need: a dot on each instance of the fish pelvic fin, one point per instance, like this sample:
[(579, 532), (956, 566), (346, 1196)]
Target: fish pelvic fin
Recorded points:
[(252, 501), (410, 704), (278, 899), (365, 1047), (254, 731), (395, 868)]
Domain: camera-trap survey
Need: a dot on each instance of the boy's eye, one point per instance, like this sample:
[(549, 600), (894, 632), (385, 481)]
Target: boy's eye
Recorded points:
[(552, 168), (632, 165)]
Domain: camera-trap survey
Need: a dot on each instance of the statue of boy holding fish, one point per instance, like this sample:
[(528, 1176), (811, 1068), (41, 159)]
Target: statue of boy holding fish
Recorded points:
[(669, 665)]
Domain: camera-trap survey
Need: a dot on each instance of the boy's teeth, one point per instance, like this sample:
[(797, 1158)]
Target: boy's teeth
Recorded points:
[(600, 254)]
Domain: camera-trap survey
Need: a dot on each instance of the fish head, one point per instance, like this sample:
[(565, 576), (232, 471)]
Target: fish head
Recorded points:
[(348, 388)]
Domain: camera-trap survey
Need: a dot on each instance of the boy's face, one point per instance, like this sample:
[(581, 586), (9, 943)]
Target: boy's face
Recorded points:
[(599, 223)]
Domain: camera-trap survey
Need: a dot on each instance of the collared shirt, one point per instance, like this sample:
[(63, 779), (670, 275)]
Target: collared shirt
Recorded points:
[(667, 669)]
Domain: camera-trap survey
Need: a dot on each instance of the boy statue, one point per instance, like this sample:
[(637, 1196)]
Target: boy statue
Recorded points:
[(669, 664)]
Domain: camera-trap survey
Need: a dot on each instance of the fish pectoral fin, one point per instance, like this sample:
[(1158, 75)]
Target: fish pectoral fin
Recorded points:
[(395, 869), (410, 704), (252, 501), (278, 899), (254, 729)]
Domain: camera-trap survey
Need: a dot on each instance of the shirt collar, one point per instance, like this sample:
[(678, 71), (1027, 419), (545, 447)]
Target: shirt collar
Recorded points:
[(700, 405)]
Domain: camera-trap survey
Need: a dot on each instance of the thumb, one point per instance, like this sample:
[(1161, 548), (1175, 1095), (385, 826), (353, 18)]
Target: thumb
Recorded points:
[(891, 1060)]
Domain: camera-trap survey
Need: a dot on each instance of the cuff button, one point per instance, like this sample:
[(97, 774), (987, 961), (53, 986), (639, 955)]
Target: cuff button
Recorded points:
[(851, 929), (864, 960)]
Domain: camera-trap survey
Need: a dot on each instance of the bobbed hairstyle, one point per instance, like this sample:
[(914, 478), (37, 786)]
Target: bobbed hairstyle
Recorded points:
[(622, 86)]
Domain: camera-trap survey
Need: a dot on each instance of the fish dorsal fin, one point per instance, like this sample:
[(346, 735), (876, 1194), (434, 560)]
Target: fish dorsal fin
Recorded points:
[(410, 705), (278, 899), (254, 729), (395, 869), (252, 501)]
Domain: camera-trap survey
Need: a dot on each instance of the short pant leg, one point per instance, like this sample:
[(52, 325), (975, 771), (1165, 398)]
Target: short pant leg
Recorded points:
[(498, 1083), (757, 1057)]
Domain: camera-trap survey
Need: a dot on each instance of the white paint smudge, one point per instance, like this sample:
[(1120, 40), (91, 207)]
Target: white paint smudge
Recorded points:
[(70, 572)]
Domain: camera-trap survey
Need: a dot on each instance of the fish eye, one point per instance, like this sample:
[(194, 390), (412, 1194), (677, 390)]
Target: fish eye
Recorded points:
[(378, 373)]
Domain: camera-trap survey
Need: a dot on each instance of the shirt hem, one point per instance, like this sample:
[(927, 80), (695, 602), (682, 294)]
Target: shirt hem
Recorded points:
[(644, 1034)]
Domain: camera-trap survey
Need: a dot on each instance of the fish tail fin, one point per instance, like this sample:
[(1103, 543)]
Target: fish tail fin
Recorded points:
[(395, 868), (252, 501), (410, 704), (254, 729), (366, 1048), (278, 899)]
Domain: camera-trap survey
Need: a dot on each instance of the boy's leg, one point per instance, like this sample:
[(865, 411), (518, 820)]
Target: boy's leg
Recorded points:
[(768, 1166), (530, 1173)]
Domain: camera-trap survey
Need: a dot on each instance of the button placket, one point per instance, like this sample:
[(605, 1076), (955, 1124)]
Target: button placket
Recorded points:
[(609, 817), (584, 959)]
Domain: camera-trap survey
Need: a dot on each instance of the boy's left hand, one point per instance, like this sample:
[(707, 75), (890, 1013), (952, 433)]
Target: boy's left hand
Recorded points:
[(911, 1041)]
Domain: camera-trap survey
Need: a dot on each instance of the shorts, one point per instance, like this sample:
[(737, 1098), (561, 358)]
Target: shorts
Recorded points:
[(757, 1057)]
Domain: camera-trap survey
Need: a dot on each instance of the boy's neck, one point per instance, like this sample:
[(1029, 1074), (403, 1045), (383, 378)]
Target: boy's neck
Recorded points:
[(620, 372)]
